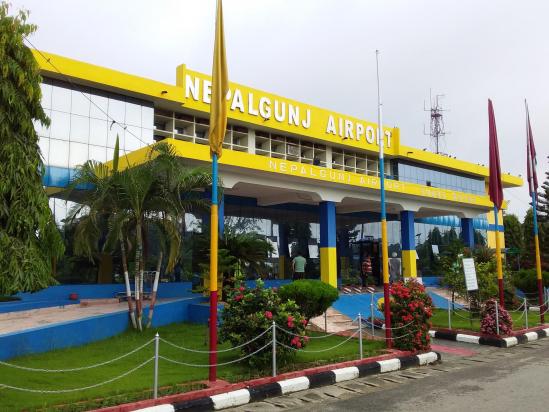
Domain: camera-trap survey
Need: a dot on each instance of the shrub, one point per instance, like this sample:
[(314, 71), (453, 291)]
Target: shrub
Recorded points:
[(488, 324), (526, 280), (312, 296), (249, 312), (411, 309)]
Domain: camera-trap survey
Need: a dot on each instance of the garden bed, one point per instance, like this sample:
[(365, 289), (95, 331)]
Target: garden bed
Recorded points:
[(460, 320), (173, 378)]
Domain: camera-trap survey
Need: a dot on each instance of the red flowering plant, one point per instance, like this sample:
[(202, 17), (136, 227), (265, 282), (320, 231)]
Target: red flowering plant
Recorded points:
[(248, 312), (488, 323), (411, 309)]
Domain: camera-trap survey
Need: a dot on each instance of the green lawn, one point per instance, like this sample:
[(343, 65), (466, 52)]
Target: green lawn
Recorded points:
[(460, 320), (138, 384)]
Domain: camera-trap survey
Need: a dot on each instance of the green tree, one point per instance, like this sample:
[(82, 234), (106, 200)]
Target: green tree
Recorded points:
[(137, 202), (514, 239), (543, 220), (529, 250), (29, 239)]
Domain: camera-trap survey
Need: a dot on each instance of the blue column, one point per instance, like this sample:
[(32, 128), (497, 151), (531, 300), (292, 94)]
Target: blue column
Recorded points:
[(408, 236), (328, 253), (468, 233)]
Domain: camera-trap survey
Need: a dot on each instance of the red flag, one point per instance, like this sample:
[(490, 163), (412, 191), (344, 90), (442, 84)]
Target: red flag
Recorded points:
[(531, 156), (495, 188)]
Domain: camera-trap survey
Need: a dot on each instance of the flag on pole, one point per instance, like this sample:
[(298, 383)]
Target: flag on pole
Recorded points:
[(495, 187), (531, 161), (218, 125), (496, 192), (220, 87)]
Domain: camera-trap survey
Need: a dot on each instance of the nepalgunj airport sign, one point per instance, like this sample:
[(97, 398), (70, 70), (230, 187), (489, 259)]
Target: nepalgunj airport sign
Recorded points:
[(275, 112)]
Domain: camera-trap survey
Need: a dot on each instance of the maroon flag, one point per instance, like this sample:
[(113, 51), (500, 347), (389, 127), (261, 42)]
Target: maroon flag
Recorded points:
[(531, 156), (495, 189)]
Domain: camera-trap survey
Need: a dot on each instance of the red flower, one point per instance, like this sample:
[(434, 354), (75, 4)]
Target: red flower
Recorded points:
[(242, 288), (269, 315), (238, 298), (304, 322)]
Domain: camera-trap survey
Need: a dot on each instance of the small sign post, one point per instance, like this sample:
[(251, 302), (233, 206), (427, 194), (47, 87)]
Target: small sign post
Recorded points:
[(470, 274)]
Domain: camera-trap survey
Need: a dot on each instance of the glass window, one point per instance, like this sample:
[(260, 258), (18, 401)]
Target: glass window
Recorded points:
[(147, 136), (98, 132), (60, 125), (80, 103), (61, 99), (117, 110), (132, 138), (44, 144), (113, 131), (46, 95), (59, 153), (78, 154), (147, 117), (42, 130), (98, 153), (99, 107), (80, 128), (133, 114)]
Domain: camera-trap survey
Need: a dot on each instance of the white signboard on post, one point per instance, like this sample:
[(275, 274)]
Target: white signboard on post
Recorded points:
[(470, 274)]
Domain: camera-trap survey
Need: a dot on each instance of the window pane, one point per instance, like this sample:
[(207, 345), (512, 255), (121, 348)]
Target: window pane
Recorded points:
[(98, 107), (98, 132), (80, 128), (61, 99), (147, 136), (46, 95), (132, 138), (41, 130), (98, 153), (147, 117), (60, 125), (114, 130), (59, 153), (44, 144), (80, 103), (78, 154), (116, 110), (133, 114)]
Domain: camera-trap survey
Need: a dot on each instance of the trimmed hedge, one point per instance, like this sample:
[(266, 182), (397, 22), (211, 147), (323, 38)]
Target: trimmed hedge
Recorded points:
[(312, 296)]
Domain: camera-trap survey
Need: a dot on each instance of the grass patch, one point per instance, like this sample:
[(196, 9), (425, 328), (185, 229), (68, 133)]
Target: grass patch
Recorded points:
[(136, 386), (460, 320)]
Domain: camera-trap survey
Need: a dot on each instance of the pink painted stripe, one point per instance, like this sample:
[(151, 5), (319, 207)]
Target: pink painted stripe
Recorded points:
[(453, 350)]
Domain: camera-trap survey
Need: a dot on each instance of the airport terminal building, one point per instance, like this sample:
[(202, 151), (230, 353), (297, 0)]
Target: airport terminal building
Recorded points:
[(308, 176)]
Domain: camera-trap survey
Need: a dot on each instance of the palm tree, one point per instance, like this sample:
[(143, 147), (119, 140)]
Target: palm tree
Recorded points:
[(136, 200)]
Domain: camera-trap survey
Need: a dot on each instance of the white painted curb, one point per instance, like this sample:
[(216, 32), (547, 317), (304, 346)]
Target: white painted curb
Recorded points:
[(389, 365), (531, 336), (346, 374), (426, 358), (294, 385), (512, 341), (158, 408), (230, 399), (467, 338)]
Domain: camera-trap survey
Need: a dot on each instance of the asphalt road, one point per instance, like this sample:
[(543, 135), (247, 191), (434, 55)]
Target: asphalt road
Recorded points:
[(490, 379)]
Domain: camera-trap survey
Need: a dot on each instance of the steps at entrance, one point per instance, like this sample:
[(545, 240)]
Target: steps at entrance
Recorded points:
[(335, 321)]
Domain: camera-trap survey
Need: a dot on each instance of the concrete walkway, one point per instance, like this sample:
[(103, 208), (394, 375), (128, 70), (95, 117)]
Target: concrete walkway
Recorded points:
[(17, 321)]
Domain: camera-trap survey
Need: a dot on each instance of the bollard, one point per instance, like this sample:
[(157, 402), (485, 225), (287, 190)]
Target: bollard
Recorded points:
[(274, 348), (372, 313), (156, 345), (360, 335), (449, 315), (497, 317), (526, 311)]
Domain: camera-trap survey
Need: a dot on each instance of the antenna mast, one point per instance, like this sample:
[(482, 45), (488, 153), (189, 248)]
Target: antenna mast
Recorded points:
[(437, 131)]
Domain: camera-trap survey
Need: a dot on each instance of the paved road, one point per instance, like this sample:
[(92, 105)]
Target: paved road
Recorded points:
[(489, 379)]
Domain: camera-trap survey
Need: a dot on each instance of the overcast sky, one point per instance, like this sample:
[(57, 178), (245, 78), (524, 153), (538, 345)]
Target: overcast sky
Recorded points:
[(322, 52)]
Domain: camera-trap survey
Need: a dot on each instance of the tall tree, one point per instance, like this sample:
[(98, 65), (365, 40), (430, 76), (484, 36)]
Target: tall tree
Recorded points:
[(514, 239), (529, 248), (29, 240), (543, 219)]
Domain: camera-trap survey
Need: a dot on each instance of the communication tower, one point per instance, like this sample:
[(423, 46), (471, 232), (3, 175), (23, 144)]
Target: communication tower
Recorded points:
[(437, 131)]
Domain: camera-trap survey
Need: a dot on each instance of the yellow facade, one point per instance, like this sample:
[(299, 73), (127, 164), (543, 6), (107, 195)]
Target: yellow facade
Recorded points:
[(258, 108)]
